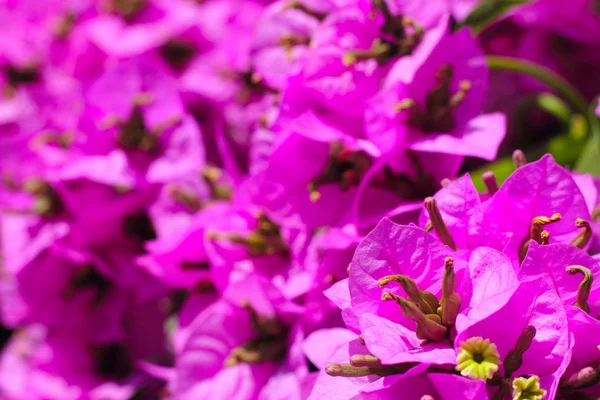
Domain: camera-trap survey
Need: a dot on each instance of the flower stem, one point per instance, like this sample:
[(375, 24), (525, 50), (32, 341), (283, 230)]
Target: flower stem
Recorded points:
[(542, 74)]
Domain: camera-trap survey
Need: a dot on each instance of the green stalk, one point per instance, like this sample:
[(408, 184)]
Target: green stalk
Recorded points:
[(564, 88)]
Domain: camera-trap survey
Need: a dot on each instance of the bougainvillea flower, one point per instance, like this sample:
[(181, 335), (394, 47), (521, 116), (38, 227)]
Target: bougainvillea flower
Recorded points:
[(327, 258), (282, 38), (83, 360), (341, 183), (146, 120), (230, 344), (352, 50), (224, 72), (301, 192), (462, 8), (438, 110), (534, 349), (181, 198), (514, 215), (180, 259), (477, 297)]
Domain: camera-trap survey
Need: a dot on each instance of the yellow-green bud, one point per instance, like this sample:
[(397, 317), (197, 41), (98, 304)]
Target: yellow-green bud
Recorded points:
[(528, 389), (477, 358)]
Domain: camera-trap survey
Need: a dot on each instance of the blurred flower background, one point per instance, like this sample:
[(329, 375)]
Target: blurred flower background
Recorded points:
[(299, 199)]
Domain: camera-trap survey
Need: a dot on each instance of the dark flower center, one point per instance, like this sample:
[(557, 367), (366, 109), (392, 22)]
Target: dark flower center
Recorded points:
[(139, 226), (128, 9), (64, 25), (47, 202), (401, 37), (113, 361), (18, 76), (88, 277), (218, 190), (133, 134), (408, 188), (266, 239), (344, 166), (438, 114), (60, 139), (252, 84), (270, 343), (195, 266), (177, 53)]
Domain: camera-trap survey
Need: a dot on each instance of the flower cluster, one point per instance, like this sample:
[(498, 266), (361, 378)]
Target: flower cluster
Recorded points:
[(257, 200), (492, 295)]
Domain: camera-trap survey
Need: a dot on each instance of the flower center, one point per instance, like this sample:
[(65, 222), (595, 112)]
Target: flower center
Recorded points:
[(128, 9), (59, 139), (184, 196), (344, 166), (438, 115), (416, 187), (290, 40), (270, 343), (20, 76), (401, 36), (177, 53), (218, 191), (138, 225), (47, 202), (113, 361), (264, 240), (528, 388), (64, 25), (88, 278), (432, 317), (477, 358), (251, 83), (133, 133)]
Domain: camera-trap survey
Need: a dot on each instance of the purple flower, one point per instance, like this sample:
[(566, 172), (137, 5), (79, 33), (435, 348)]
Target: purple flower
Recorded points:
[(352, 52), (38, 364), (539, 202), (436, 108), (146, 121), (281, 40), (328, 170), (230, 351), (409, 298)]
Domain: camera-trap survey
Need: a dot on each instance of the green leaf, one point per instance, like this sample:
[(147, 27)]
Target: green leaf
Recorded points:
[(502, 168), (589, 160), (554, 105)]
